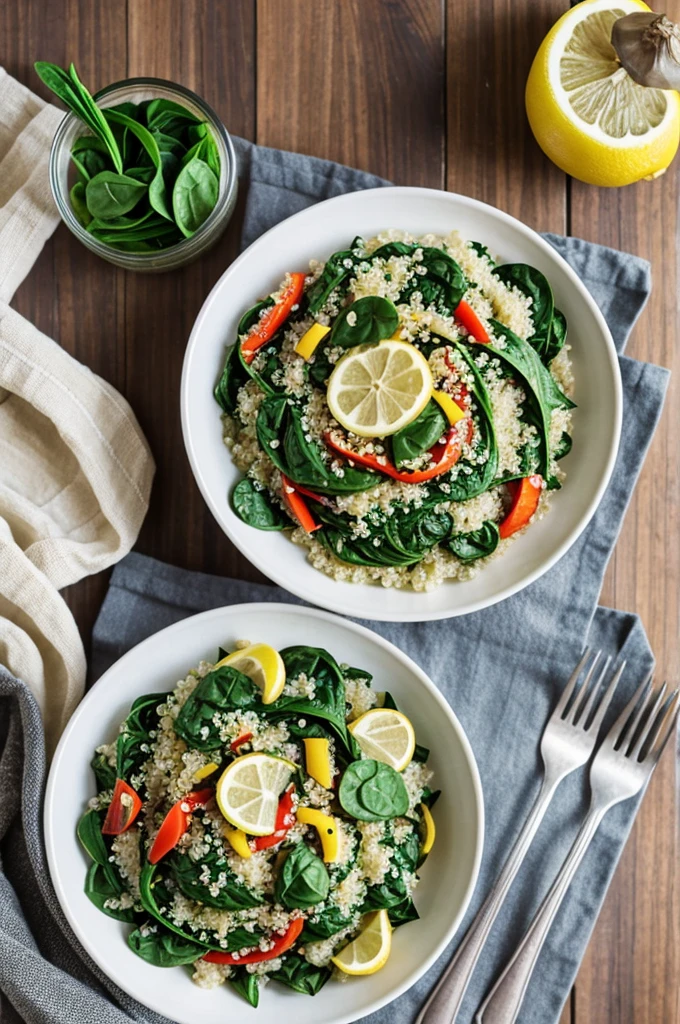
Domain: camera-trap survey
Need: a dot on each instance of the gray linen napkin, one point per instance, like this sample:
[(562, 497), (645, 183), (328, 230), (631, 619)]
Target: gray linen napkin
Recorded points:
[(501, 670)]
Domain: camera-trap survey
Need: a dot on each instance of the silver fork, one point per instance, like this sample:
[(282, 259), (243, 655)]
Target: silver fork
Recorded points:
[(622, 768), (567, 743)]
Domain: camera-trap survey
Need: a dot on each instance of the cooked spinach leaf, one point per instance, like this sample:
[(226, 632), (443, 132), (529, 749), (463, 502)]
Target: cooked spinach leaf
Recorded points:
[(419, 435), (132, 745), (104, 773), (468, 547), (246, 984), (442, 285), (222, 690), (550, 325), (232, 379), (228, 893), (366, 322), (256, 508), (163, 948), (101, 888), (298, 974), (338, 268)]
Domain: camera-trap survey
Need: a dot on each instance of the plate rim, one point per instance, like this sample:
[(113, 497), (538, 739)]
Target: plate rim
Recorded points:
[(342, 605), (50, 809)]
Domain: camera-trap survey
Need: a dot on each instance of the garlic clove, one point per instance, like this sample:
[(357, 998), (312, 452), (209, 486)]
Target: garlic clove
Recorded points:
[(648, 46)]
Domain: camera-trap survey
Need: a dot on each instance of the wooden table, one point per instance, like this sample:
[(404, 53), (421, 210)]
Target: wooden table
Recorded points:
[(423, 92)]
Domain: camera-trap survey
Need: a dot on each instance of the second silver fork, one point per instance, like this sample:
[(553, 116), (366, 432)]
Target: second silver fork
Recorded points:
[(567, 743)]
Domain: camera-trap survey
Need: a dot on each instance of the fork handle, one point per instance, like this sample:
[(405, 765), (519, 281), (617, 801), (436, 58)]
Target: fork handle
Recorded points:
[(447, 997), (503, 1003)]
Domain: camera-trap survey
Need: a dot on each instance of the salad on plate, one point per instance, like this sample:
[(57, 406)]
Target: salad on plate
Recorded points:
[(402, 408), (263, 821)]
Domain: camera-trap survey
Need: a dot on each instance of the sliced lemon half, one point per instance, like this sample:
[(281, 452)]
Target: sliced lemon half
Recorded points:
[(263, 665), (385, 735), (375, 390), (587, 113), (371, 949), (248, 791)]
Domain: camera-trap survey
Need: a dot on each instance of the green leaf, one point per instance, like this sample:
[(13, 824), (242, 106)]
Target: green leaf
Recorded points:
[(194, 196), (246, 984), (90, 155), (337, 270), (420, 435), (328, 702), (232, 379), (157, 192), (403, 537), (366, 322), (89, 832), (134, 734), (298, 974), (160, 111), (104, 773), (443, 285), (372, 791), (70, 90), (163, 948), (303, 880), (224, 689), (468, 547), (256, 508), (79, 204), (532, 283), (231, 895), (110, 195), (100, 888)]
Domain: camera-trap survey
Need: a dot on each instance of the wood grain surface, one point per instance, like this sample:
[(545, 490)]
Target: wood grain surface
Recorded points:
[(423, 92)]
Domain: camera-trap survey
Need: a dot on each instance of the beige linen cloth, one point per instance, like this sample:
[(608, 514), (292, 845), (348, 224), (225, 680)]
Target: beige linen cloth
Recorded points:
[(75, 468)]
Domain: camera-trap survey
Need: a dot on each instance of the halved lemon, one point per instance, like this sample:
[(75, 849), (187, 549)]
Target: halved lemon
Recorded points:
[(263, 665), (587, 113), (370, 950), (385, 735), (375, 390), (248, 791)]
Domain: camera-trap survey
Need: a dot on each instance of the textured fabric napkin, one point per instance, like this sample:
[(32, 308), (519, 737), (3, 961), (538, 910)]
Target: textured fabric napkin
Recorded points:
[(75, 469), (501, 670)]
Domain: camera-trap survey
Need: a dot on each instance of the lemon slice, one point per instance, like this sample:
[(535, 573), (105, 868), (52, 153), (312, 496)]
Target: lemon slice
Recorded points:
[(587, 113), (248, 791), (370, 950), (263, 665), (375, 390), (385, 735)]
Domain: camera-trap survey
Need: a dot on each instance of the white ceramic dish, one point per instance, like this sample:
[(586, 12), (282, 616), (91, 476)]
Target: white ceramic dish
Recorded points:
[(317, 232), (448, 878)]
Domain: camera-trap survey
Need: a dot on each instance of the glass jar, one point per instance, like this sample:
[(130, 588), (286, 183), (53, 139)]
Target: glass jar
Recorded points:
[(137, 90)]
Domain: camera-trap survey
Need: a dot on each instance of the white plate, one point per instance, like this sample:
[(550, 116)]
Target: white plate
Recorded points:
[(317, 232), (447, 879)]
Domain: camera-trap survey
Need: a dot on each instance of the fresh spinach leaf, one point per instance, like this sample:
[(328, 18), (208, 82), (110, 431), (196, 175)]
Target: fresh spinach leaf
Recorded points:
[(337, 269), (420, 435), (303, 880), (365, 322), (160, 111), (194, 196), (324, 923), (158, 197), (163, 948), (100, 889), (110, 195), (132, 745), (442, 285), (224, 689), (298, 974), (104, 773), (231, 893), (89, 832), (79, 204), (256, 508), (372, 791), (468, 547), (421, 753)]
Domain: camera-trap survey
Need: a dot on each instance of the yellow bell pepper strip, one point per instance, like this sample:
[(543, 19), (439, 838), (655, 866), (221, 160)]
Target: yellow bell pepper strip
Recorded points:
[(124, 807), (444, 458), (205, 771), (297, 506), (285, 819), (273, 317), (326, 829), (279, 946), (527, 493), (430, 830), (318, 760), (176, 823), (466, 315), (449, 407), (238, 841), (308, 343)]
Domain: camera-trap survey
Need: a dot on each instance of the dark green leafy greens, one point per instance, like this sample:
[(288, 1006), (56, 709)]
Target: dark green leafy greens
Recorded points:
[(468, 547), (256, 508), (420, 435), (365, 322), (372, 791), (303, 879), (148, 176)]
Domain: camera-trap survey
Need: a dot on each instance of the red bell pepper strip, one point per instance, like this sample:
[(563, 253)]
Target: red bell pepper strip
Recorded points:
[(176, 822), (281, 944), (321, 498), (124, 807), (268, 324), (285, 819), (240, 740), (444, 457), (466, 315), (527, 493), (297, 506)]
